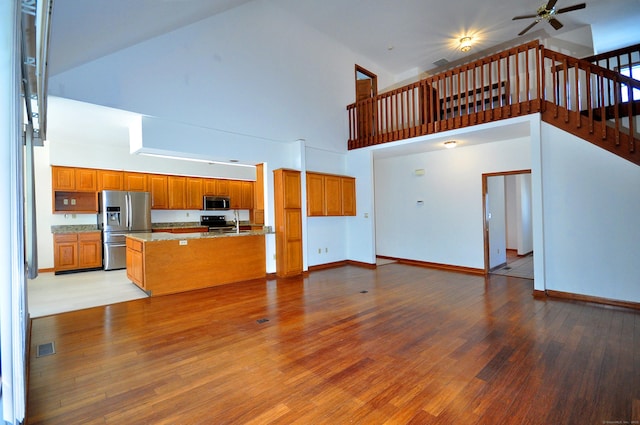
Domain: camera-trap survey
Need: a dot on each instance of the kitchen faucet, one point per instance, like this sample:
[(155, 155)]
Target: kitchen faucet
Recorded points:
[(236, 220)]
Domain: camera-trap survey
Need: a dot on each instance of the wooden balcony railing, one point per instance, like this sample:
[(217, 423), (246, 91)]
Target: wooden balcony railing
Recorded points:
[(588, 100), (595, 103), (619, 60)]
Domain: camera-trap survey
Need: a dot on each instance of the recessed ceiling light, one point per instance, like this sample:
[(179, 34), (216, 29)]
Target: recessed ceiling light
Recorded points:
[(233, 160), (450, 144)]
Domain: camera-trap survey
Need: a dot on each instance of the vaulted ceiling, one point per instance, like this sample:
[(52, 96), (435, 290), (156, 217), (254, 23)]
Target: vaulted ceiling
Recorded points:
[(401, 36)]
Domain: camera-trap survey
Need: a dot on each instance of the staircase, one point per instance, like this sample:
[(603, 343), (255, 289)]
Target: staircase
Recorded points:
[(581, 96)]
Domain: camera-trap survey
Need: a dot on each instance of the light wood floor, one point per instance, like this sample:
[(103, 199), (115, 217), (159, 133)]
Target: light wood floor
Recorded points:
[(395, 345), (52, 294)]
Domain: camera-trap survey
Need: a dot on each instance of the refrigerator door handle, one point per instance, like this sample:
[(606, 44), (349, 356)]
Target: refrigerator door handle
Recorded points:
[(128, 205)]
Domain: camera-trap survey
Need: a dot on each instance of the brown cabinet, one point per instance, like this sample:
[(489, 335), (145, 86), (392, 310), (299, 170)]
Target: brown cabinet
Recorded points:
[(288, 216), (330, 195), (315, 194), (157, 184), (135, 182), (110, 180), (74, 190), (71, 178), (258, 196), (177, 192), (63, 178), (348, 196), (77, 251), (195, 191), (209, 186), (241, 194), (135, 262)]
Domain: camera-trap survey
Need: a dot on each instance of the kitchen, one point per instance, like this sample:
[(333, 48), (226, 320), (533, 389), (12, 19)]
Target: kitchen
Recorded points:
[(125, 200)]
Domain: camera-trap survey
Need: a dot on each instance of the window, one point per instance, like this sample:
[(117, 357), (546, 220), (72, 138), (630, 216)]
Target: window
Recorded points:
[(632, 71)]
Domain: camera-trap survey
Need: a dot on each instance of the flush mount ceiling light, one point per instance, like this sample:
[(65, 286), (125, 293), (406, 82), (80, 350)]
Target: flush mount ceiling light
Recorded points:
[(450, 144), (465, 44)]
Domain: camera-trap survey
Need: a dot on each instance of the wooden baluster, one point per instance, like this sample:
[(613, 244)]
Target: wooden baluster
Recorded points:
[(603, 111), (630, 115), (589, 101), (577, 93), (483, 106), (565, 89)]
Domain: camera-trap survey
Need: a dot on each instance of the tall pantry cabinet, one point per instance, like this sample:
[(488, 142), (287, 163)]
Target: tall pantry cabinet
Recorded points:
[(288, 211)]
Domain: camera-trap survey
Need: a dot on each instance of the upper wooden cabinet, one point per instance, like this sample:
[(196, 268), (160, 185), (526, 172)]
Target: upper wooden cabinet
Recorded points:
[(71, 178), (76, 189), (223, 187), (209, 187), (177, 192), (330, 195), (315, 194), (195, 192), (135, 182), (157, 184), (241, 194), (110, 180), (348, 196)]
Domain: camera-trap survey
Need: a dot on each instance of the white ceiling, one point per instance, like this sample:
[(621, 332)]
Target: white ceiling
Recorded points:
[(401, 36)]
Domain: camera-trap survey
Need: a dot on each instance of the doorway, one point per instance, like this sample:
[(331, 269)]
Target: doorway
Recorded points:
[(508, 231), (366, 89)]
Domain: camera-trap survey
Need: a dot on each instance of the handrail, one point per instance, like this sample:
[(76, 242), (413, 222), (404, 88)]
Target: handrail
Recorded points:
[(617, 59), (598, 104), (495, 87), (583, 94)]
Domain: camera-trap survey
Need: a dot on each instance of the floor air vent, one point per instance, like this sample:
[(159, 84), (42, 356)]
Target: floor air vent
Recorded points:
[(46, 349), (262, 320)]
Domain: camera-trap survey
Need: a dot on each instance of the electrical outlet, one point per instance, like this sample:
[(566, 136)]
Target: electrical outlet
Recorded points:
[(182, 243)]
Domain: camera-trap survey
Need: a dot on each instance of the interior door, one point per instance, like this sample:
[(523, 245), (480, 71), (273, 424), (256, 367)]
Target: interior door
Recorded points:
[(364, 91)]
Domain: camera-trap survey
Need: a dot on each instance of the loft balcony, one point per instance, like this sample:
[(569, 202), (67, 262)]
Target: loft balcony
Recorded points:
[(591, 98)]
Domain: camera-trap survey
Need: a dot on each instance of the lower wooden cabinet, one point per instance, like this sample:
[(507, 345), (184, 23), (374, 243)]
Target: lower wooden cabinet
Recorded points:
[(135, 262), (77, 251)]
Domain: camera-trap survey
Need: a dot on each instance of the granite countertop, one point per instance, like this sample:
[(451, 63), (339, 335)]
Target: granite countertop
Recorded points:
[(80, 228), (75, 228), (176, 225), (159, 236)]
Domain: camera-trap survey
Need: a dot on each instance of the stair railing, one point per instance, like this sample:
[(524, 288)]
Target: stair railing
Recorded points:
[(587, 99)]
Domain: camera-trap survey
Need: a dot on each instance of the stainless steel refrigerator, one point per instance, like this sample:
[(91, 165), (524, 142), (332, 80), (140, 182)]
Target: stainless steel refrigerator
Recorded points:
[(121, 213)]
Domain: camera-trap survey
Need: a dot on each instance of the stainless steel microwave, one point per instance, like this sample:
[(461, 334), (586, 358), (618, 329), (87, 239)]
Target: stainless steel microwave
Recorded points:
[(212, 203)]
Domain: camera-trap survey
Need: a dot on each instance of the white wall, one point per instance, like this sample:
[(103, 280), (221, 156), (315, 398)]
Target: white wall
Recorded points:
[(254, 71), (591, 228), (447, 228), (524, 222)]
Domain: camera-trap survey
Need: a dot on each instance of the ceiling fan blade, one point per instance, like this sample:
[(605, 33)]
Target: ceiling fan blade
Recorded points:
[(555, 23), (527, 28), (550, 4), (524, 17), (571, 8)]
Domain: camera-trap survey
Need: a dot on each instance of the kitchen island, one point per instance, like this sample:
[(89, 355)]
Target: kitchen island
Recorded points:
[(167, 263)]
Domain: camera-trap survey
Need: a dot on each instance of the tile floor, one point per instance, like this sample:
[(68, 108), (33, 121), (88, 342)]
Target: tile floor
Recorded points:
[(517, 266), (52, 294)]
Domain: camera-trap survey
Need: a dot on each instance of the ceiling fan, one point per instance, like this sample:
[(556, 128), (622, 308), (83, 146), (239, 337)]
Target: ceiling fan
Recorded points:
[(548, 12)]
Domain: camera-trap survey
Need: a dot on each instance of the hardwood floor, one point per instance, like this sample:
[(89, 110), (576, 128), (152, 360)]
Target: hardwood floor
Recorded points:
[(395, 345)]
